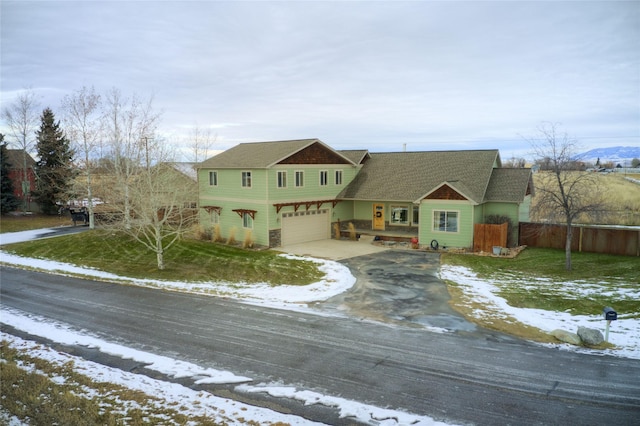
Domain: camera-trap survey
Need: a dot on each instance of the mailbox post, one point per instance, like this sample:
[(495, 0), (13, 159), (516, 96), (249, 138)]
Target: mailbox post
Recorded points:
[(609, 315)]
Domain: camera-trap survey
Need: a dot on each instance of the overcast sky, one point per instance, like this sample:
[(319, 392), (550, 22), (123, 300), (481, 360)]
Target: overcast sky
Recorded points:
[(369, 75)]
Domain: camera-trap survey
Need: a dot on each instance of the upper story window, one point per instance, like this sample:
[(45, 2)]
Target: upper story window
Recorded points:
[(338, 177), (246, 179), (324, 177), (213, 178), (445, 221), (282, 179), (299, 178)]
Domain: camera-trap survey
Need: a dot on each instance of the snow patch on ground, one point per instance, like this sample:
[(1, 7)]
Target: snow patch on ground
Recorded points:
[(196, 402), (624, 333)]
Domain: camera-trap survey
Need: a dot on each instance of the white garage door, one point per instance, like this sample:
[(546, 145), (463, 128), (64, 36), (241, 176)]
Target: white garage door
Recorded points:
[(303, 226)]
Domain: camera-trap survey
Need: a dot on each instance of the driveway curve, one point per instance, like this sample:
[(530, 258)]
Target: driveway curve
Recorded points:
[(399, 287), (393, 285)]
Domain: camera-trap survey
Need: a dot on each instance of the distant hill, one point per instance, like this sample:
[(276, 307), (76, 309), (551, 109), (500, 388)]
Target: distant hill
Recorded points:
[(617, 155)]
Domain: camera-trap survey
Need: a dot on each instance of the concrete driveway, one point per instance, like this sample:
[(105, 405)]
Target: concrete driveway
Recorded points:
[(334, 249)]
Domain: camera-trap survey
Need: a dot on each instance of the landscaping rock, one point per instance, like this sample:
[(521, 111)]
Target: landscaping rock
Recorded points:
[(567, 337), (590, 336)]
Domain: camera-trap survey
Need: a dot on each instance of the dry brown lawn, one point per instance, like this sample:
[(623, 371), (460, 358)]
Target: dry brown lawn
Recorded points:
[(623, 197)]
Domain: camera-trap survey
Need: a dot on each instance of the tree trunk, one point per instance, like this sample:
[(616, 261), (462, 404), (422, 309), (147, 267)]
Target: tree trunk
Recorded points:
[(159, 248), (160, 258), (92, 224), (26, 184)]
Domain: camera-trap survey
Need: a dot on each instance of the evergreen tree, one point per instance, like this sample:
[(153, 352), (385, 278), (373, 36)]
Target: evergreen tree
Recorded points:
[(8, 202), (54, 169)]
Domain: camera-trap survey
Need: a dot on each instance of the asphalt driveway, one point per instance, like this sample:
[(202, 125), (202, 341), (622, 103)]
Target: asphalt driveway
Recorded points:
[(393, 285)]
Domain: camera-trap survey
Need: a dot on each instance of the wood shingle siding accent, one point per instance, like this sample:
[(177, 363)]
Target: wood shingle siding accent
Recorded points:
[(263, 155), (315, 154), (445, 192)]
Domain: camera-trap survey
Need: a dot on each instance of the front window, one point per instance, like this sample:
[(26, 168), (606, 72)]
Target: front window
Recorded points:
[(247, 221), (399, 215), (338, 177), (213, 178), (299, 178), (324, 177), (282, 179), (416, 215), (445, 221), (246, 179)]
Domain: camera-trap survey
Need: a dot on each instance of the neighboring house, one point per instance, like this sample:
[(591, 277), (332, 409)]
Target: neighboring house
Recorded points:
[(185, 176), (294, 191), (21, 188)]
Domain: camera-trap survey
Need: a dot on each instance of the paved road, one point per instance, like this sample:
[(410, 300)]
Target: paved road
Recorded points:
[(453, 377)]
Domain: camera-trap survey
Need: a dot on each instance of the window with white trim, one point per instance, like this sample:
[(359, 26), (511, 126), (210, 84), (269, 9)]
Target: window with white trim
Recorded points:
[(338, 177), (213, 178), (247, 221), (445, 221), (299, 178), (282, 179), (324, 177), (399, 215), (246, 179)]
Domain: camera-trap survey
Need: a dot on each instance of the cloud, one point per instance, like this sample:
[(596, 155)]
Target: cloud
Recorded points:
[(354, 74)]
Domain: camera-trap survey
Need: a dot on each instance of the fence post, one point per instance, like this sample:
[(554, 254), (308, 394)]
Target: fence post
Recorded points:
[(580, 241)]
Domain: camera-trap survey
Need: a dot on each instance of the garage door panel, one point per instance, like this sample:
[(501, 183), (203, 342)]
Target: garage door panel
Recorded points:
[(303, 226)]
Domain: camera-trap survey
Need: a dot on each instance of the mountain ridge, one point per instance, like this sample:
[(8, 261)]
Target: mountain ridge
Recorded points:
[(617, 154)]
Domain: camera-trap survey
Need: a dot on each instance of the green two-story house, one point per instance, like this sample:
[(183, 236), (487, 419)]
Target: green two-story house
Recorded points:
[(290, 192)]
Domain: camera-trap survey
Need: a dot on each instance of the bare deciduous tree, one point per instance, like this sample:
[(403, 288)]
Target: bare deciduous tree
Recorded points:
[(201, 143), (515, 163), (82, 122), (160, 207), (130, 125), (22, 118), (149, 200), (563, 194)]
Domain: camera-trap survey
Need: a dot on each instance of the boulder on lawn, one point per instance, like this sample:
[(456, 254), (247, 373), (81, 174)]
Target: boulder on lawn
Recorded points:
[(590, 336), (567, 337)]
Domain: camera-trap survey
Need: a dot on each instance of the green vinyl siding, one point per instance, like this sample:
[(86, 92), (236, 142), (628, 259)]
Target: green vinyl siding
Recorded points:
[(500, 209), (311, 189), (229, 219), (229, 194), (230, 185), (363, 210), (463, 235), (525, 210), (343, 211)]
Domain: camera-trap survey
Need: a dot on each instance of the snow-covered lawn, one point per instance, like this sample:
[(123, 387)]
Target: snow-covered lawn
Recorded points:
[(624, 334)]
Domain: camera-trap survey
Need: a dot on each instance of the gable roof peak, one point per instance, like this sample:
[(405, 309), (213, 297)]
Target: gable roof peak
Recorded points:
[(262, 155)]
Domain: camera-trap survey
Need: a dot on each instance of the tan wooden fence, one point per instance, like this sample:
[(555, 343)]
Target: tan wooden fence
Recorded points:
[(486, 236), (593, 239)]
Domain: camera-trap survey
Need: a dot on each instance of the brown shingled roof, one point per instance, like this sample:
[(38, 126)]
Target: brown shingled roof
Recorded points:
[(261, 155), (509, 185), (410, 176), (15, 159), (357, 156)]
